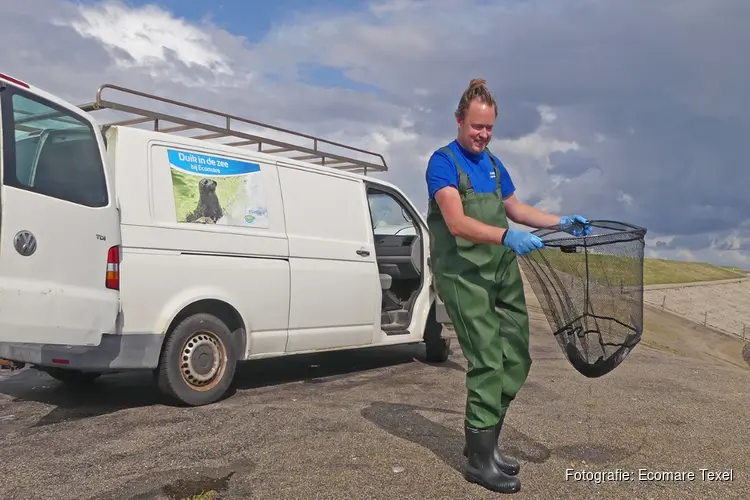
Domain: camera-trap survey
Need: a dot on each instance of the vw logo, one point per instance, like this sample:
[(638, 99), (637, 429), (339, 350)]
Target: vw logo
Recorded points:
[(25, 243)]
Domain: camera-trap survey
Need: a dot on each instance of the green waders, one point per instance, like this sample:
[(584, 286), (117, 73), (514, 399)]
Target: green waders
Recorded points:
[(481, 287)]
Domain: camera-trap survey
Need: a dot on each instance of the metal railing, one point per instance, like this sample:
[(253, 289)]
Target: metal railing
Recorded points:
[(230, 129)]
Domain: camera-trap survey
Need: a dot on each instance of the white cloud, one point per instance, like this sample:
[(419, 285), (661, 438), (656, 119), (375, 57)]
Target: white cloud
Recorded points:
[(150, 37), (625, 198)]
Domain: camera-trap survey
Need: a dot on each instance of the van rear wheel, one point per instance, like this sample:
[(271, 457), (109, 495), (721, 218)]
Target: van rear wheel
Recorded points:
[(198, 361)]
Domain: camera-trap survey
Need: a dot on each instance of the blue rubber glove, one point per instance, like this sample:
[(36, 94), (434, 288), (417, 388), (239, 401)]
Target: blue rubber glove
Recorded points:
[(575, 225), (521, 242)]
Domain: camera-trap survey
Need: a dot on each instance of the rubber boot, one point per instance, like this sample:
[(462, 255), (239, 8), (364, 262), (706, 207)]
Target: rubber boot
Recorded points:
[(507, 465), (482, 468)]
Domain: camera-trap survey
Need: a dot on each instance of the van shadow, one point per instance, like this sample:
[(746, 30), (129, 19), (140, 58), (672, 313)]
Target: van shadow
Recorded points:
[(115, 392), (329, 366), (108, 394), (310, 368)]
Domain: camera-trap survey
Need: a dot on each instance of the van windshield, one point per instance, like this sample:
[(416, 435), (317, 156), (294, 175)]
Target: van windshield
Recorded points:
[(50, 150), (388, 216)]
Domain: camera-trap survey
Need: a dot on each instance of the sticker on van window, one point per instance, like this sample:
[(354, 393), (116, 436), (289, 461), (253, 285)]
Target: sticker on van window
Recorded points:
[(215, 190)]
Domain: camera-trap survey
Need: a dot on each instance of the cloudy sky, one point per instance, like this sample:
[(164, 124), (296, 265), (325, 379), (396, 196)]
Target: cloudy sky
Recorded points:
[(633, 111)]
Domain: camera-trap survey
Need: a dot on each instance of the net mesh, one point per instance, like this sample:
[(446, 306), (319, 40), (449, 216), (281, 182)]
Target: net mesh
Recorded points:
[(590, 289)]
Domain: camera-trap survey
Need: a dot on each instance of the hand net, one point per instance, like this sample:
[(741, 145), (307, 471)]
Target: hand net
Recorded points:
[(591, 291)]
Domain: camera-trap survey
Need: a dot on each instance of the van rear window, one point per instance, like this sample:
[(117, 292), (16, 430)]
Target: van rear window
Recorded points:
[(50, 151)]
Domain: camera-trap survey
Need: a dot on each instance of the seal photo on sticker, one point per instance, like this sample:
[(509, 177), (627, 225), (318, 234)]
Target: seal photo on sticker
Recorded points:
[(209, 208)]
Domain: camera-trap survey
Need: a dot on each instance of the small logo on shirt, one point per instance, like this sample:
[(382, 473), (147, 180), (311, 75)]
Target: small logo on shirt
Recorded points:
[(492, 174)]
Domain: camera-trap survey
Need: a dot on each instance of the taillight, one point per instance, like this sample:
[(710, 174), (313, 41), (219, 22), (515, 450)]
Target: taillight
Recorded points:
[(113, 268), (13, 80)]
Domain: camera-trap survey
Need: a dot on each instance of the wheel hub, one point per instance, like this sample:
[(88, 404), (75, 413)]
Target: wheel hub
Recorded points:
[(202, 359)]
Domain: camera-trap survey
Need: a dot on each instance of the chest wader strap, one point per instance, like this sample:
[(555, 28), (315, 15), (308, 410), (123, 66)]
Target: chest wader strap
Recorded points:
[(464, 184), (497, 172)]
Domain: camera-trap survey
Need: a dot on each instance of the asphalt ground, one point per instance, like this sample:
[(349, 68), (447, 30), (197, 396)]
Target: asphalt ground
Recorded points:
[(384, 424)]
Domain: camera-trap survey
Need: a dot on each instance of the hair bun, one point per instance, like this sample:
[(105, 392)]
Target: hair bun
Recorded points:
[(477, 90), (477, 83)]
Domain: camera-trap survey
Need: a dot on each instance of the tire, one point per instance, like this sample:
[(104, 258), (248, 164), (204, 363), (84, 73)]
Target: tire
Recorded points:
[(72, 377), (198, 361), (438, 350)]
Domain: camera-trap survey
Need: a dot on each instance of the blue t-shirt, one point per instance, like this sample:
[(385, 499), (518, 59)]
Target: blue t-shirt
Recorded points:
[(442, 172)]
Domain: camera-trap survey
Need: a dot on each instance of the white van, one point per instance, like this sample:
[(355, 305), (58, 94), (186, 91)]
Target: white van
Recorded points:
[(126, 248)]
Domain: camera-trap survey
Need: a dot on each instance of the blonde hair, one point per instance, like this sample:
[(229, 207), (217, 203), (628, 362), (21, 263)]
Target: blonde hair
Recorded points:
[(477, 90)]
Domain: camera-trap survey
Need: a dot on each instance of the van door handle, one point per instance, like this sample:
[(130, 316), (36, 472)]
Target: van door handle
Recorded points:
[(363, 252)]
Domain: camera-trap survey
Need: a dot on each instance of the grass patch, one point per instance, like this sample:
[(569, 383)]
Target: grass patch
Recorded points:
[(615, 270), (659, 271)]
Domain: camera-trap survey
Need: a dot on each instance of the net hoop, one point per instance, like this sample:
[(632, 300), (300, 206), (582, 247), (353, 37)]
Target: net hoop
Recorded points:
[(558, 301), (621, 232)]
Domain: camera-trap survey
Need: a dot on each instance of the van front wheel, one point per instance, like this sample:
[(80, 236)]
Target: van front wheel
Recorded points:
[(438, 350), (198, 361)]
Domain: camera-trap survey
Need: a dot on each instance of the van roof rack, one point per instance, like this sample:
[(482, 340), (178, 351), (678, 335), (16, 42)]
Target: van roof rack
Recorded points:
[(239, 129)]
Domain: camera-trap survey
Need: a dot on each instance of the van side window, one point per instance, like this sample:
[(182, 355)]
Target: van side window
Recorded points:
[(52, 152)]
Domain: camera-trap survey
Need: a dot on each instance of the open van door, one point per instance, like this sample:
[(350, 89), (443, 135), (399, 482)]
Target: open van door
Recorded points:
[(59, 225)]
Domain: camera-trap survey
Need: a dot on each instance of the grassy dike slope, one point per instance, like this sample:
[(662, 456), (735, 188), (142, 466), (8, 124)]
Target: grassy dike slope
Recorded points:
[(625, 269), (660, 271)]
